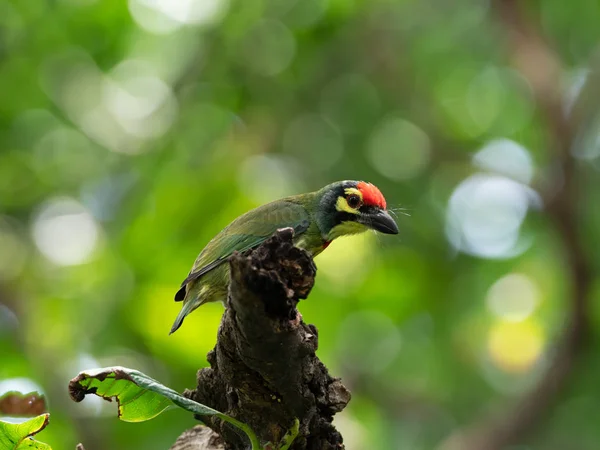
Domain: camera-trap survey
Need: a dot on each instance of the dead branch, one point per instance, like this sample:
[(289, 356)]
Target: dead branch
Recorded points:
[(263, 370)]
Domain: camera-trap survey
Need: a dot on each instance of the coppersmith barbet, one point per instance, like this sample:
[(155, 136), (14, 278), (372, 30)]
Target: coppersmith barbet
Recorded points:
[(339, 209)]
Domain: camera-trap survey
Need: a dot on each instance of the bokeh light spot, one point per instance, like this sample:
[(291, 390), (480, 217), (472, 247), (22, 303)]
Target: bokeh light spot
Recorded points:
[(506, 157), (269, 48), (20, 384), (499, 99), (484, 98), (75, 83), (494, 100), (515, 346), (513, 297), (141, 102), (399, 150), (266, 178), (168, 16), (65, 232), (485, 213)]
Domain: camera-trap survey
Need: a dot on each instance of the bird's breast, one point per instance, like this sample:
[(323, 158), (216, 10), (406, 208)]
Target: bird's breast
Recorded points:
[(313, 245)]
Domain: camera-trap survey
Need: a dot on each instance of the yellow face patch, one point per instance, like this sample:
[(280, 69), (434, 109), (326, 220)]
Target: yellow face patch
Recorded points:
[(342, 202)]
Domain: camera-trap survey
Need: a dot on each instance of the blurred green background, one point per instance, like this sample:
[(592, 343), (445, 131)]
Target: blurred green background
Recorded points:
[(132, 132)]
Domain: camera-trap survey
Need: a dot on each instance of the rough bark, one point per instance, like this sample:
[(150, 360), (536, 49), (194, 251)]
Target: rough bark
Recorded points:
[(199, 438), (263, 370)]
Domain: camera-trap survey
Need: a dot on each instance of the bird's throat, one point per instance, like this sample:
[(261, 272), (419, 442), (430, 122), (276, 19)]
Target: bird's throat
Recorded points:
[(346, 229)]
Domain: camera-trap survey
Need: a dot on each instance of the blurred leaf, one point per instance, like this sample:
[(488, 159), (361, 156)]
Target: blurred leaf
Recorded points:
[(17, 436), (22, 405), (142, 398)]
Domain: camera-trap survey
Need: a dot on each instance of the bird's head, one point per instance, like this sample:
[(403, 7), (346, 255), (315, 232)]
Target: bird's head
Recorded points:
[(351, 207)]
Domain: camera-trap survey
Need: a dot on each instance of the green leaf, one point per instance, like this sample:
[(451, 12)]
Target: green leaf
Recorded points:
[(142, 398), (290, 436), (17, 436), (135, 404)]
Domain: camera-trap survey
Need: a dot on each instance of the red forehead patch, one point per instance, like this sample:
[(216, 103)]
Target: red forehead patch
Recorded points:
[(371, 195)]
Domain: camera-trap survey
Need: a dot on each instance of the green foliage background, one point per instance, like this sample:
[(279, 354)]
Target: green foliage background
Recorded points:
[(128, 139)]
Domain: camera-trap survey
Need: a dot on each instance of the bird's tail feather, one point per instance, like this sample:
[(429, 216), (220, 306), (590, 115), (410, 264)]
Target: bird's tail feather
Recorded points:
[(188, 307)]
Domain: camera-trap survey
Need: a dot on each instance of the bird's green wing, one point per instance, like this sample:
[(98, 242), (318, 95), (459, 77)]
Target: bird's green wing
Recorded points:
[(245, 233)]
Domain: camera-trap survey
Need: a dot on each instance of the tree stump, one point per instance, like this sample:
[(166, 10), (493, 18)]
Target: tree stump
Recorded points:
[(263, 369)]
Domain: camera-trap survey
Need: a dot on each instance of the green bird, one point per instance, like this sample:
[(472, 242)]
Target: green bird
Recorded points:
[(339, 209)]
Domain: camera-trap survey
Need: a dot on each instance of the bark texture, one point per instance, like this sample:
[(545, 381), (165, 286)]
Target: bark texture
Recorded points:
[(199, 438), (263, 370)]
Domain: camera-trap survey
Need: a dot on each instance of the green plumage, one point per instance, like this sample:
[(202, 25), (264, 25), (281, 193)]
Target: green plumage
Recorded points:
[(312, 216)]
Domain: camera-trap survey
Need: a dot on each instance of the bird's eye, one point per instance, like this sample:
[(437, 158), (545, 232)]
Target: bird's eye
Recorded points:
[(353, 201)]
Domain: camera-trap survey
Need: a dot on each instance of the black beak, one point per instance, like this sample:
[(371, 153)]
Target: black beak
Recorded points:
[(381, 221)]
